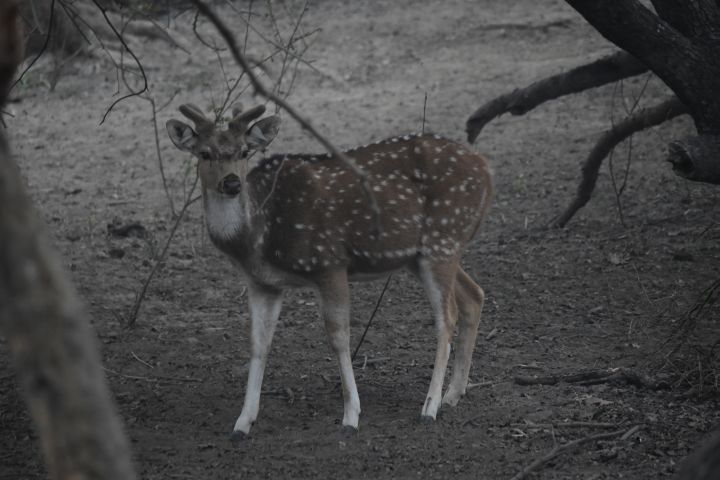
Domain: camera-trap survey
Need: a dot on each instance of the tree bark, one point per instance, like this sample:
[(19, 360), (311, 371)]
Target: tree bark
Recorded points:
[(699, 20), (697, 158), (704, 463), (48, 333), (520, 101)]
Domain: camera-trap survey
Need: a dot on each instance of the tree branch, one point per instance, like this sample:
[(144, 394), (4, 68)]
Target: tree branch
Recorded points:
[(608, 69), (640, 120)]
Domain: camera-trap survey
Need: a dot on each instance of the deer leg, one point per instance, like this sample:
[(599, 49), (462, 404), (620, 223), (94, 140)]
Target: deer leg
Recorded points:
[(265, 304), (439, 281), (335, 313), (470, 299)]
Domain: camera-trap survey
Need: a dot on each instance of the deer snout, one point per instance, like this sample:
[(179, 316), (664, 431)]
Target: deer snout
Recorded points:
[(230, 185)]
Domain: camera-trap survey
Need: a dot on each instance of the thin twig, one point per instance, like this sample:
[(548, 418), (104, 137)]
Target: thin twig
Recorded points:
[(568, 425), (42, 50), (571, 446), (159, 154), (155, 378), (132, 54), (199, 37), (372, 315), (132, 317), (140, 360), (424, 109), (260, 89), (290, 42), (247, 26)]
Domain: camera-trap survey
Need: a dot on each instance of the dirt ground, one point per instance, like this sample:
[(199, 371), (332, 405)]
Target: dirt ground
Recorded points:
[(595, 295)]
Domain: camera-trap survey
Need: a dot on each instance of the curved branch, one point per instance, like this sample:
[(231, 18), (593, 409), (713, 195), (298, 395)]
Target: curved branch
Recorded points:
[(642, 119), (608, 69), (44, 46), (135, 58)]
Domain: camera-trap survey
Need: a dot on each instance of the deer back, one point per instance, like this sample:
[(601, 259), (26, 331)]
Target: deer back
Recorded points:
[(432, 193)]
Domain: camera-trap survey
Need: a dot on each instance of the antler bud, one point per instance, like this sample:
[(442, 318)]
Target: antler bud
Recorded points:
[(242, 119), (196, 115)]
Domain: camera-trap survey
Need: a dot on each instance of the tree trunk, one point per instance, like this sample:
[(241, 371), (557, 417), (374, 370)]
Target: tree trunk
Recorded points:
[(49, 335), (704, 463)]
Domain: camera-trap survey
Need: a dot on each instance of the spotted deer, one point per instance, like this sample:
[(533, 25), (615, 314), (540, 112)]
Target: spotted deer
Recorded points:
[(305, 221)]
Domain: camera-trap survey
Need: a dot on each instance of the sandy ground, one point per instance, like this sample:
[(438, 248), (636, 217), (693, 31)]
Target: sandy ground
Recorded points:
[(596, 295)]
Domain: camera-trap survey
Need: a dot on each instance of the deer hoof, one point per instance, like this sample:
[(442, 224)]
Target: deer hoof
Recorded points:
[(348, 431), (238, 436), (427, 419)]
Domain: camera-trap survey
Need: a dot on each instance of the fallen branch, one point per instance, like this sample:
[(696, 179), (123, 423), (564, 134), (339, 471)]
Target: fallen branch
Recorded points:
[(594, 377), (260, 89), (520, 101), (567, 425), (641, 120), (155, 378), (560, 449)]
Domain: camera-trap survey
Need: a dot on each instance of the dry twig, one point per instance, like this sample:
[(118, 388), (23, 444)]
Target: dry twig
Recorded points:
[(593, 377), (189, 200), (566, 447)]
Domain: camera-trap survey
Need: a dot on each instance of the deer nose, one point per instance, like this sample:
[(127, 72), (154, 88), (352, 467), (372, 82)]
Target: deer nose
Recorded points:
[(230, 185)]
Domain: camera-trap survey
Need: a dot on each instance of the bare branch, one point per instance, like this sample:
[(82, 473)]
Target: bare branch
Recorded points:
[(129, 50), (135, 309), (43, 48), (642, 119), (158, 152), (520, 101)]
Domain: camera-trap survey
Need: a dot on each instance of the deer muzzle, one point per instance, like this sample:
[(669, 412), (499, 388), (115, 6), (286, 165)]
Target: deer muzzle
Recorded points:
[(230, 185)]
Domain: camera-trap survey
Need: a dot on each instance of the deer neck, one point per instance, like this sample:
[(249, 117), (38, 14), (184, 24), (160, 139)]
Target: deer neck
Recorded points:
[(232, 222)]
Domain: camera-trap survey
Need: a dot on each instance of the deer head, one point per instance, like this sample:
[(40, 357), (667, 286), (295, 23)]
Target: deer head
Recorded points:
[(223, 155)]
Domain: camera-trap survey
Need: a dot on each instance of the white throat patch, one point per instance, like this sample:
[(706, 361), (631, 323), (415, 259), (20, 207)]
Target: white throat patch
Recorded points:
[(225, 216)]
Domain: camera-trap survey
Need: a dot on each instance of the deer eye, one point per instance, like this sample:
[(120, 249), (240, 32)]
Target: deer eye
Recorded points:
[(205, 155)]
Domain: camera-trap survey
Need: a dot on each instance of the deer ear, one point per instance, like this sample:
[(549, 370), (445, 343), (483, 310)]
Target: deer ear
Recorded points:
[(262, 132), (182, 135)]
